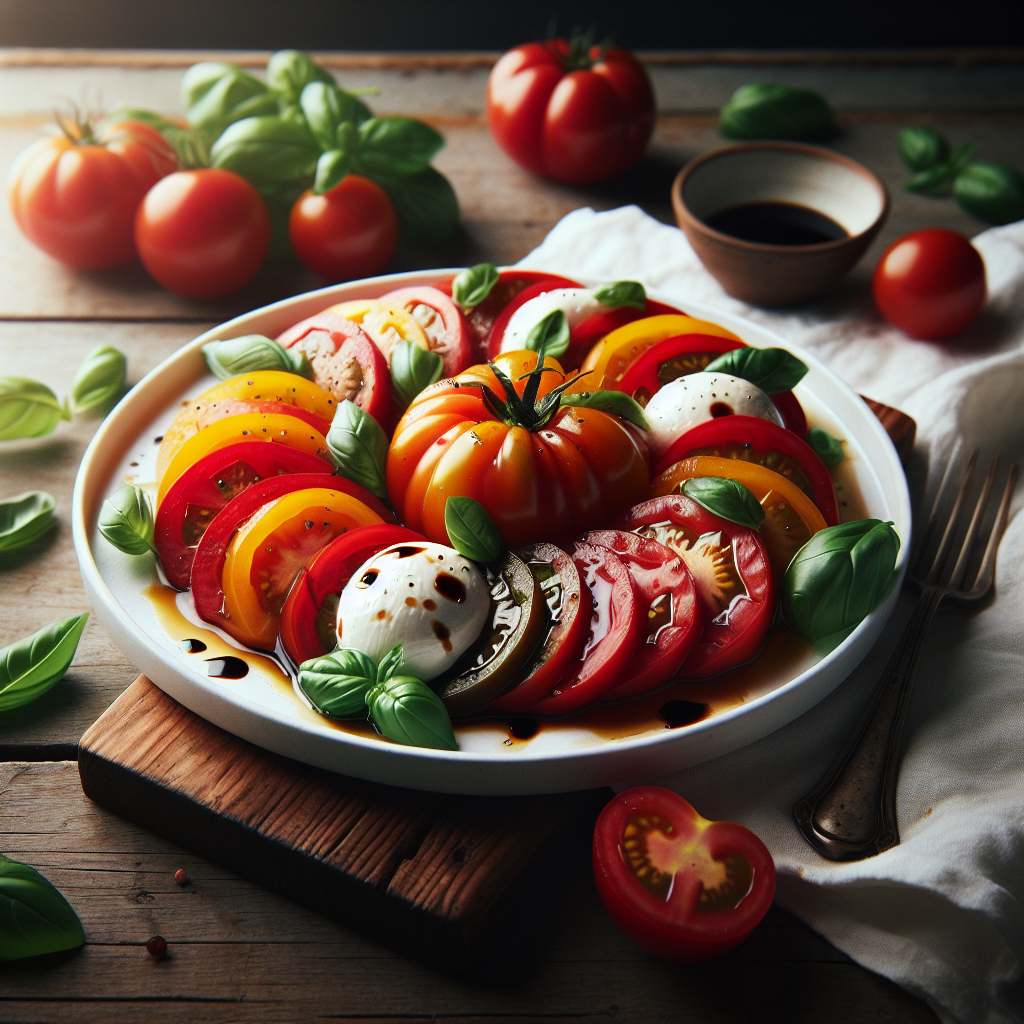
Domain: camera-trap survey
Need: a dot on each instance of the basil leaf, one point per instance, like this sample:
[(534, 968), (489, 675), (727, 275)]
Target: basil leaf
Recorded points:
[(771, 369), (24, 520), (473, 285), (622, 293), (618, 403), (216, 95), (99, 382), (390, 663), (396, 146), (770, 111), (126, 520), (922, 147), (413, 368), (426, 206), (828, 448), (550, 334), (28, 409), (327, 107), (727, 499), (840, 575), (936, 178), (337, 684), (990, 192), (267, 150), (360, 447), (253, 352), (31, 666), (35, 918), (408, 711), (331, 169), (471, 530), (290, 71)]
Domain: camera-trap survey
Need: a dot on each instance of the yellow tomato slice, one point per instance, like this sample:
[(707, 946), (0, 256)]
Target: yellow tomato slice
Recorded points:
[(225, 399), (609, 358), (250, 426), (791, 518), (266, 555), (384, 323)]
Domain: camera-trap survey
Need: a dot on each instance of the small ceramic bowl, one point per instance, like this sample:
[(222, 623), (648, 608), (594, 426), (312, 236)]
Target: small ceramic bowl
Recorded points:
[(766, 274)]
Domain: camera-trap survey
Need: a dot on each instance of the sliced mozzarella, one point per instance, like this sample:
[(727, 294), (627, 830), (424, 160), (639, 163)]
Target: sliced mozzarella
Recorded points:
[(578, 304), (424, 596)]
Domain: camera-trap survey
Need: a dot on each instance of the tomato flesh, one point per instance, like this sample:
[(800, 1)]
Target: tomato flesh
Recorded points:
[(442, 322), (670, 359)]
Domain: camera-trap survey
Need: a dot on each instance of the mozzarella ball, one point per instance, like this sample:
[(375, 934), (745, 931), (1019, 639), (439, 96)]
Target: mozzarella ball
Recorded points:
[(424, 596), (686, 402), (578, 304)]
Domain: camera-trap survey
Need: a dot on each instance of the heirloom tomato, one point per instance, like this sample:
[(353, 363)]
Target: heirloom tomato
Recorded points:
[(680, 886), (75, 195), (569, 111), (541, 471)]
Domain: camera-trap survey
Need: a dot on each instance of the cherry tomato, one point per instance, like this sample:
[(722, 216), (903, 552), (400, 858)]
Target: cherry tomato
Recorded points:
[(930, 284), (730, 568), (350, 231), (569, 115), (442, 322), (670, 359), (75, 196), (680, 886), (204, 233)]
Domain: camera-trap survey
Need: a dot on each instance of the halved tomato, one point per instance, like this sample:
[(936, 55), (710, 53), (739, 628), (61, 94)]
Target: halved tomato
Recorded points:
[(730, 568), (383, 322), (442, 322)]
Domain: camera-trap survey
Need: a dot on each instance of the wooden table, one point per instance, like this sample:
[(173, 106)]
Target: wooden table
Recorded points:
[(238, 952)]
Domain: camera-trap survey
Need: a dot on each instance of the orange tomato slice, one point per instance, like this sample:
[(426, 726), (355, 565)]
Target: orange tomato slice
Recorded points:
[(386, 324), (270, 550)]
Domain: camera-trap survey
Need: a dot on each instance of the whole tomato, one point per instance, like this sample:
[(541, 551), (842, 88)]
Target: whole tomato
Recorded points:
[(75, 195), (203, 233), (350, 231), (930, 284), (568, 111)]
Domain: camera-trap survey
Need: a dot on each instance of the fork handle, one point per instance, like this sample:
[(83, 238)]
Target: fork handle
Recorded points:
[(851, 813)]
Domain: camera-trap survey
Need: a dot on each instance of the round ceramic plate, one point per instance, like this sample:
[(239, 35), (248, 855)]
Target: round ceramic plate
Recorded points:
[(680, 726)]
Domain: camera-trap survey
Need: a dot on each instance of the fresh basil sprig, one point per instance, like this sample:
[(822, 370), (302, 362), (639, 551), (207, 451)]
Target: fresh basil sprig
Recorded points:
[(549, 335), (770, 111), (413, 368), (360, 447), (937, 177), (329, 108), (770, 369), (617, 294), (24, 520), (338, 683), (923, 146), (839, 576), (289, 72), (828, 448), (253, 352), (618, 403), (471, 531), (473, 285), (990, 192), (99, 382), (126, 520), (267, 150), (31, 666), (35, 918), (28, 409), (216, 95), (727, 499)]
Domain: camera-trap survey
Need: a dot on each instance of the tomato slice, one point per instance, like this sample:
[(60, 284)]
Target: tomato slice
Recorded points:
[(616, 630), (546, 283), (592, 330), (442, 322), (669, 359), (750, 439), (680, 886), (199, 494), (569, 609), (674, 615), (730, 568), (383, 322), (310, 612)]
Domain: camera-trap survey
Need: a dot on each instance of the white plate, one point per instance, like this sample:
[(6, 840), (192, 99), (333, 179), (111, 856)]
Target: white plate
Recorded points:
[(748, 704)]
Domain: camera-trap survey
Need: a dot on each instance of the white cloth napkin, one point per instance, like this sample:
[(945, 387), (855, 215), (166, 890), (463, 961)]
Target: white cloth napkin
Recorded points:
[(941, 913)]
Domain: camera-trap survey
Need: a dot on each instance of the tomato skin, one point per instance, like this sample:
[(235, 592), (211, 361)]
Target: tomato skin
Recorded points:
[(350, 231), (77, 202), (690, 353), (676, 926), (203, 233), (930, 284), (452, 342), (577, 126)]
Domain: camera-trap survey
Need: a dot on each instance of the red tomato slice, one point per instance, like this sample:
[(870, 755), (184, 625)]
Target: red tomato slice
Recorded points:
[(616, 630), (666, 360), (571, 607), (593, 329), (680, 886), (760, 441), (675, 616), (442, 322), (206, 487), (792, 413), (545, 284), (730, 568), (308, 618)]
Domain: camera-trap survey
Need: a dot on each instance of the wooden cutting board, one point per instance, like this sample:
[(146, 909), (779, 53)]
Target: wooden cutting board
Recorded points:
[(445, 879)]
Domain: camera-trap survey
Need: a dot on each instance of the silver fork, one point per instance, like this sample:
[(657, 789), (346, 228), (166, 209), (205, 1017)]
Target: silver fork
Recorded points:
[(851, 813)]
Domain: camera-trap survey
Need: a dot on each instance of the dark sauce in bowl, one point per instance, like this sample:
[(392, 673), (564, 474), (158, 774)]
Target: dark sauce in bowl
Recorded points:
[(776, 223)]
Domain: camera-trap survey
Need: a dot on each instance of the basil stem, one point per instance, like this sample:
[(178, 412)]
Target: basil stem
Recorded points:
[(126, 520), (828, 448), (922, 147), (31, 666), (28, 409), (253, 352), (770, 369), (99, 382), (727, 499), (770, 111), (473, 285), (338, 683), (360, 448), (407, 711), (25, 520), (413, 368), (35, 918), (471, 531), (617, 403), (622, 293), (990, 192), (549, 335)]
